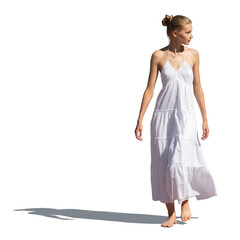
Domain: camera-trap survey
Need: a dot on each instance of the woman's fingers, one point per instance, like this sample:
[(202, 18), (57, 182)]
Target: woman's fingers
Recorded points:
[(138, 132), (205, 132)]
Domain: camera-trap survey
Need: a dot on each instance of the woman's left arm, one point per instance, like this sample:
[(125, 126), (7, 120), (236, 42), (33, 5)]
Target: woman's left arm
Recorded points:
[(199, 95)]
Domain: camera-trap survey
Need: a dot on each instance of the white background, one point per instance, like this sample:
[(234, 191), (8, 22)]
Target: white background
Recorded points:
[(73, 75)]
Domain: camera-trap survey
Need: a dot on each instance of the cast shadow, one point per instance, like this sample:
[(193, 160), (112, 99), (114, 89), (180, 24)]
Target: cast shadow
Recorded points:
[(72, 214)]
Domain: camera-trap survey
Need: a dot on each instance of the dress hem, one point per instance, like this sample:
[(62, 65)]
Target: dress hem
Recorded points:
[(198, 197)]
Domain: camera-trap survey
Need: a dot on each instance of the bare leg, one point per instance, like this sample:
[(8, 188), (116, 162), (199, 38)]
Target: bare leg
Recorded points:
[(186, 212), (171, 215)]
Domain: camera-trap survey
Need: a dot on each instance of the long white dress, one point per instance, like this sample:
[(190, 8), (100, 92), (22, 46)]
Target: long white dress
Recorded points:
[(178, 168)]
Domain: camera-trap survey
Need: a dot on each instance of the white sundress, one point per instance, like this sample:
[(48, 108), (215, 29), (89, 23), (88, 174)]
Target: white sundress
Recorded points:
[(178, 168)]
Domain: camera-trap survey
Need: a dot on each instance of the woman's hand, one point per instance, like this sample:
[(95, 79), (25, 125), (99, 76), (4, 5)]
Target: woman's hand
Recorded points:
[(205, 130), (139, 128)]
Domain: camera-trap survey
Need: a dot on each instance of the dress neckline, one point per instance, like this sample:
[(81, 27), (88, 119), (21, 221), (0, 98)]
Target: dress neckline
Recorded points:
[(171, 64)]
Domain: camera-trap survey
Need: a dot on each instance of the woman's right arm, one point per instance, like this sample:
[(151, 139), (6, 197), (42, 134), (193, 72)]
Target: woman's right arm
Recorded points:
[(148, 93)]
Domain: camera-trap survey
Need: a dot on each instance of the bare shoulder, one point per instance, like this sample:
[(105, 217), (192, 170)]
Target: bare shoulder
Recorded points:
[(192, 54), (159, 56), (190, 50), (159, 53)]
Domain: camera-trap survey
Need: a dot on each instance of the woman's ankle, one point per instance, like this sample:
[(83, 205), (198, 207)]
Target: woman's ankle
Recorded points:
[(171, 213)]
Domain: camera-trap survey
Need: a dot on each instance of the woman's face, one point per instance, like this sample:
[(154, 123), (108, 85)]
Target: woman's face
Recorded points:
[(185, 35)]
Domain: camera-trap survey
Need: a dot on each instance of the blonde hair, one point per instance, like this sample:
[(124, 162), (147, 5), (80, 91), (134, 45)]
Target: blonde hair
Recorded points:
[(175, 23)]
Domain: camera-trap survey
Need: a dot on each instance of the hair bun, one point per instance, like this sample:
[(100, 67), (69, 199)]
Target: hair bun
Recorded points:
[(167, 19)]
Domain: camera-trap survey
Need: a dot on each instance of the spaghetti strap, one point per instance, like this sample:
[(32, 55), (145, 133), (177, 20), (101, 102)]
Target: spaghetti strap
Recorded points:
[(183, 53)]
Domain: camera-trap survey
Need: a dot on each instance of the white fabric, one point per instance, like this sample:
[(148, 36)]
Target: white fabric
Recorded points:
[(178, 168)]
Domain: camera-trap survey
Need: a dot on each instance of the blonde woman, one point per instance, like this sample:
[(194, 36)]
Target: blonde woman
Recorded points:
[(178, 168)]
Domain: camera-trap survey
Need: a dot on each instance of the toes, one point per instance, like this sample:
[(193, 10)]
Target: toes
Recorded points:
[(168, 224), (184, 219)]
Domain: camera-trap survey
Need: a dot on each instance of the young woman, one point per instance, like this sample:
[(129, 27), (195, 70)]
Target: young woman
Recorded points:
[(178, 168)]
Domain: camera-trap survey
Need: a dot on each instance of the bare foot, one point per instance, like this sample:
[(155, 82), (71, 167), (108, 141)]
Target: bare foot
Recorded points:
[(186, 212), (171, 220)]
